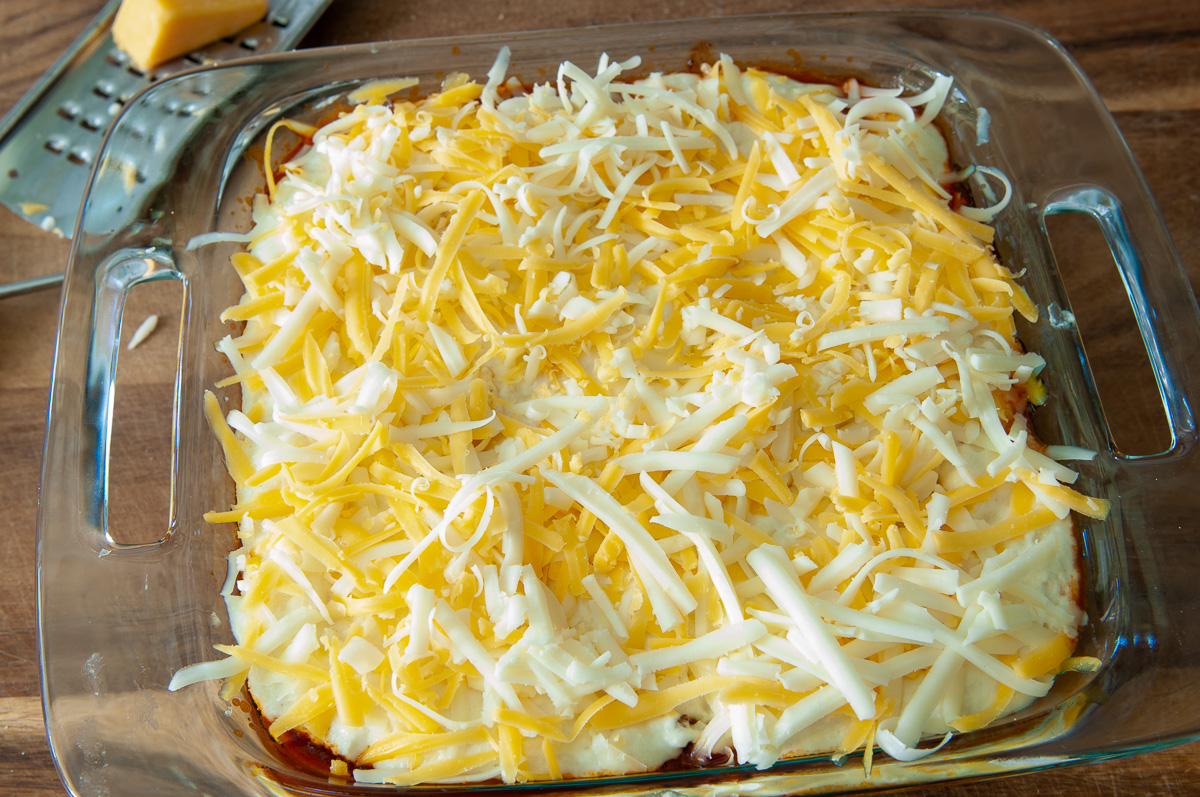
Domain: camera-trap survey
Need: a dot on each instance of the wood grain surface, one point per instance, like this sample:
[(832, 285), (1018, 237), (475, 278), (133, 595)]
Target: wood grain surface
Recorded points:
[(1144, 57)]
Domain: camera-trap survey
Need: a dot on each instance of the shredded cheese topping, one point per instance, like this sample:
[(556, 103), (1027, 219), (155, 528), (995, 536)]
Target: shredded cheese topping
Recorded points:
[(678, 410)]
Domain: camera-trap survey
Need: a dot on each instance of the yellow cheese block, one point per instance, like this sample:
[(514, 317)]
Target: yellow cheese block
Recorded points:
[(152, 32)]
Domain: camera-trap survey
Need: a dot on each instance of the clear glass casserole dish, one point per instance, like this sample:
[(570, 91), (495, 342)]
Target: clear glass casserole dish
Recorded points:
[(117, 619)]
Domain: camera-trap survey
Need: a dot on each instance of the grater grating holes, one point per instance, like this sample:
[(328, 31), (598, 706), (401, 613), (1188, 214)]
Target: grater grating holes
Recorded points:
[(74, 111)]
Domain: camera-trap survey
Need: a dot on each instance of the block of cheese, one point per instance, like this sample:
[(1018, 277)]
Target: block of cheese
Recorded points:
[(152, 32)]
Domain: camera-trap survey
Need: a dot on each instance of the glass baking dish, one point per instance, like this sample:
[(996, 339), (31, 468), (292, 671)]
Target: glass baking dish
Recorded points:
[(117, 619)]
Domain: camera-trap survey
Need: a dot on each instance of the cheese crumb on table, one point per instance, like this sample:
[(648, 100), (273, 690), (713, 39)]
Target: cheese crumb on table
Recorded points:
[(148, 325), (600, 423)]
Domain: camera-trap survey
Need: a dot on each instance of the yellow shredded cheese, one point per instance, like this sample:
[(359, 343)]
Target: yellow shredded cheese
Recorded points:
[(587, 422)]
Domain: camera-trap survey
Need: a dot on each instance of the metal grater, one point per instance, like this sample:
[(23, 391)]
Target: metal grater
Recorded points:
[(50, 138)]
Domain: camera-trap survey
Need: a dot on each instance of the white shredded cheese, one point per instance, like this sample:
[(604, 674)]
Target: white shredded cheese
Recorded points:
[(572, 412), (142, 332)]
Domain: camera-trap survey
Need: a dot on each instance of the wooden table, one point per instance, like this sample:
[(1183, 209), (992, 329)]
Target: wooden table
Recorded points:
[(1144, 58)]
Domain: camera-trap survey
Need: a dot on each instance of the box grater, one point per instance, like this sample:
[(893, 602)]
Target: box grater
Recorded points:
[(49, 140)]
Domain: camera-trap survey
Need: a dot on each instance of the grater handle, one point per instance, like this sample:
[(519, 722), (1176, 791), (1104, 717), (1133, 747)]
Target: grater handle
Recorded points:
[(21, 287)]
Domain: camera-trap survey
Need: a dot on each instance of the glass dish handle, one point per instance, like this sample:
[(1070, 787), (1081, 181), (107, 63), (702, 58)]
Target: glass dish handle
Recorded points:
[(1147, 552), (1162, 300), (115, 277)]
